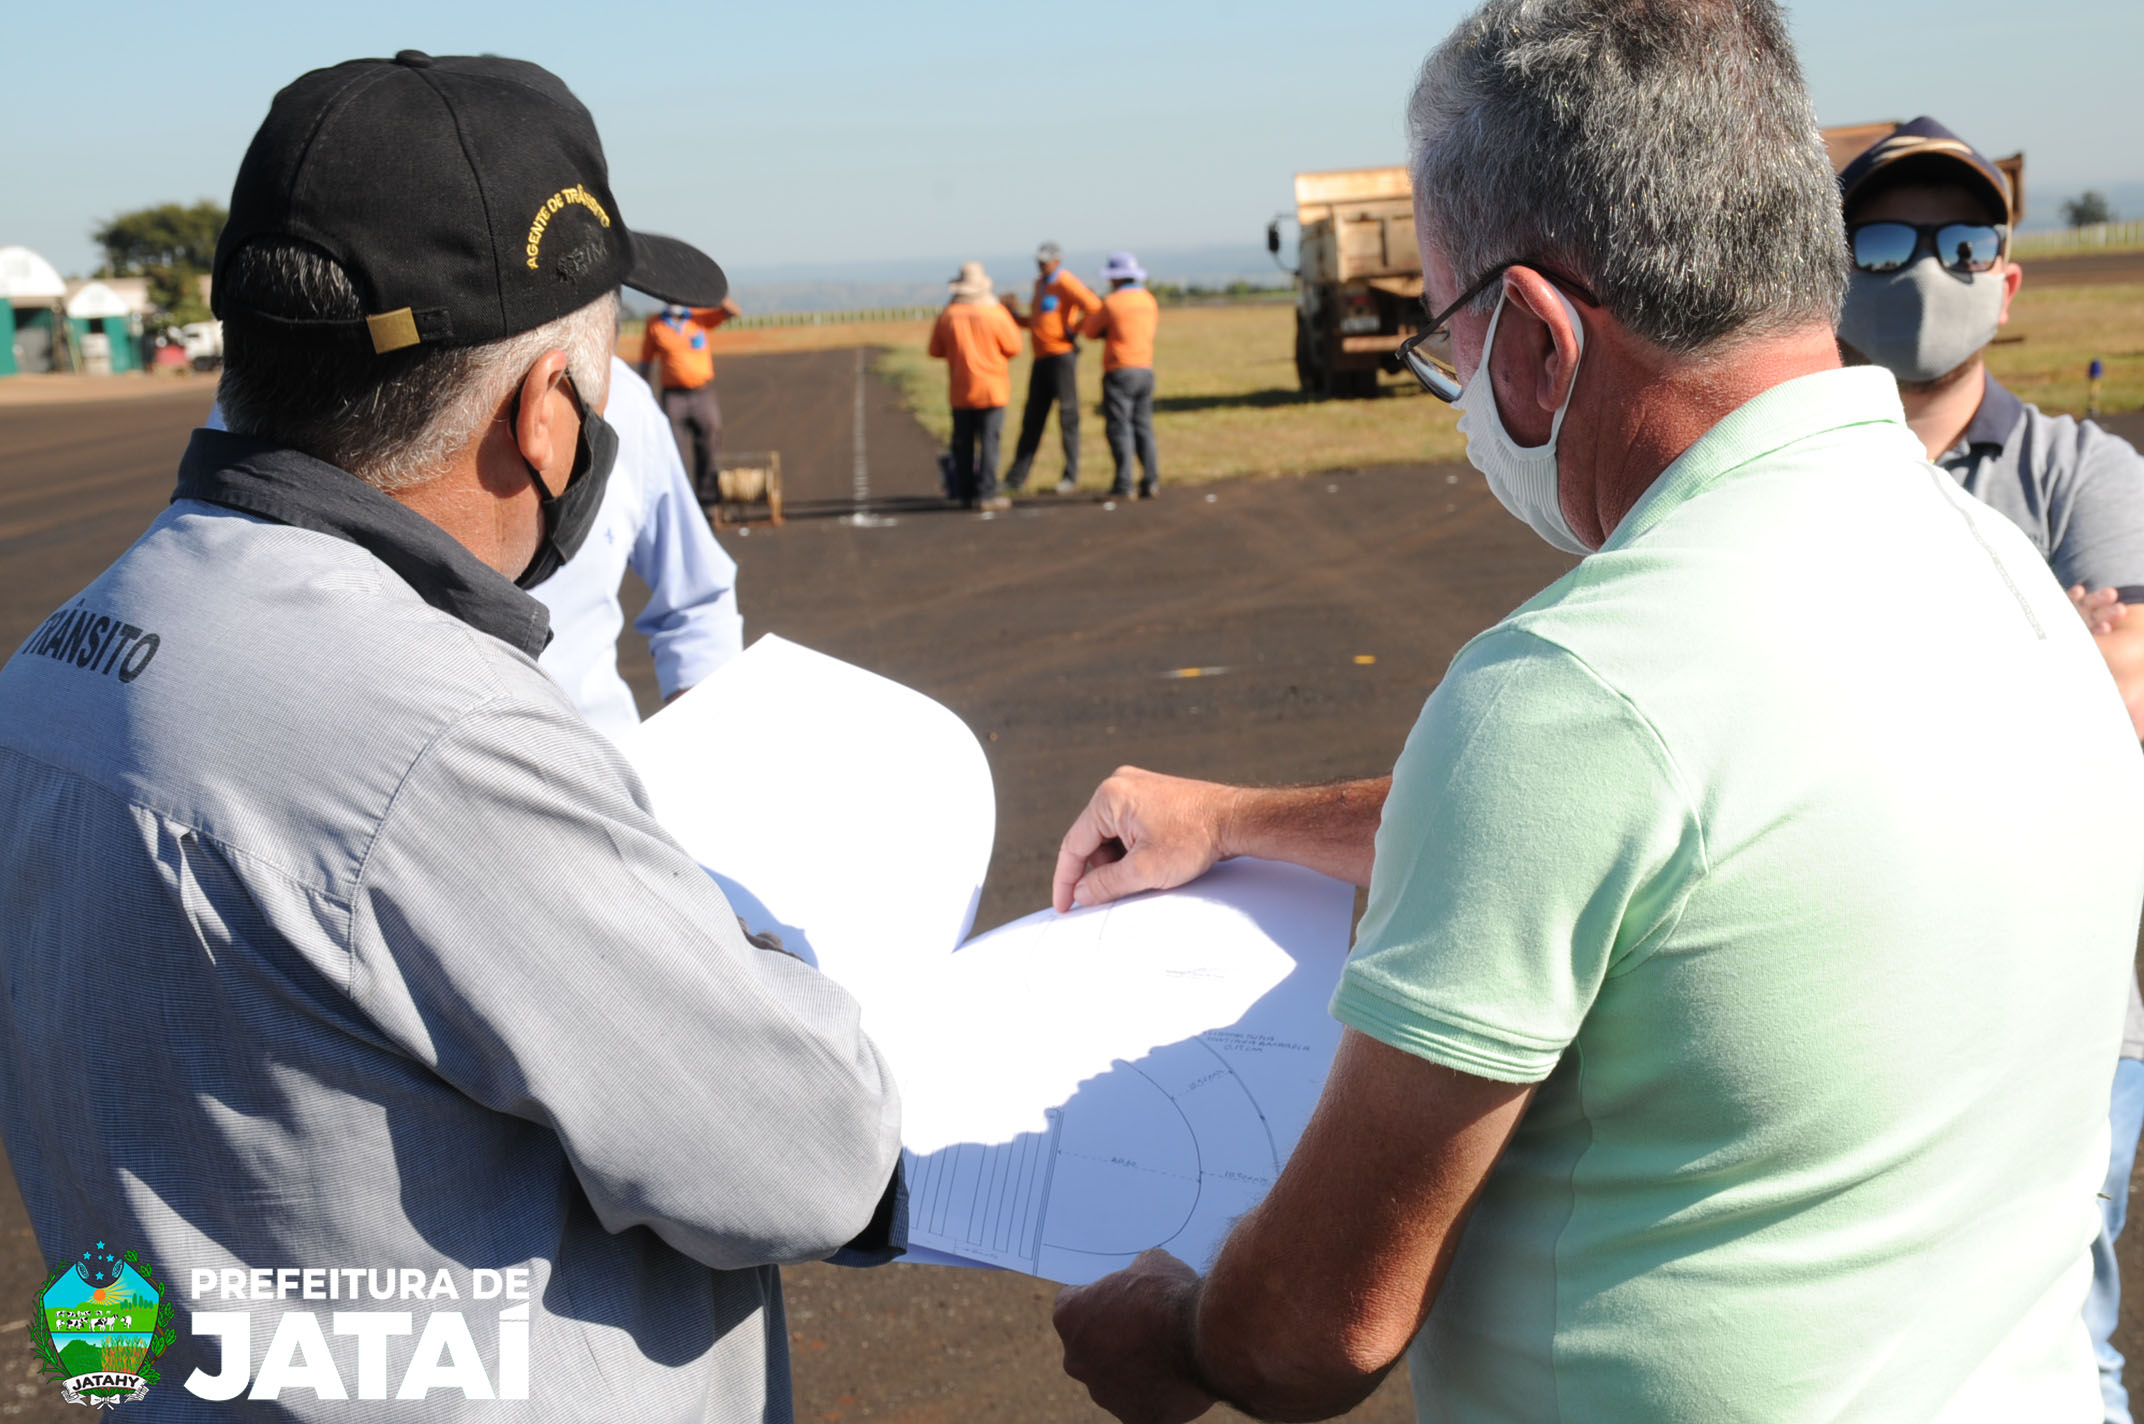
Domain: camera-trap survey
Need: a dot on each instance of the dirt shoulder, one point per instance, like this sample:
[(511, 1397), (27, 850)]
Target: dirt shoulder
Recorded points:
[(46, 388)]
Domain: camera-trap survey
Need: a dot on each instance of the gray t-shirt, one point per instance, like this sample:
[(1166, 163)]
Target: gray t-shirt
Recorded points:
[(2078, 493), (333, 939)]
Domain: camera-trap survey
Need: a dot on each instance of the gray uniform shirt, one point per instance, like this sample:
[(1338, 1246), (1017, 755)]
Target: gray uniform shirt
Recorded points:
[(331, 937), (2078, 493)]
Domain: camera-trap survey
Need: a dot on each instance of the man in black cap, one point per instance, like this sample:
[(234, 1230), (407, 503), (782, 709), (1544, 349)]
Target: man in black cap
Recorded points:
[(1928, 220), (407, 983)]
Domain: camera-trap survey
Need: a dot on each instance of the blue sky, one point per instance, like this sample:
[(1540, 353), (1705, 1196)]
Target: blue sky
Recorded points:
[(818, 134), (70, 1289)]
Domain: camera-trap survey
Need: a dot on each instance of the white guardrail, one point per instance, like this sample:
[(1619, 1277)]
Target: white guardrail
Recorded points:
[(2091, 238), (833, 318)]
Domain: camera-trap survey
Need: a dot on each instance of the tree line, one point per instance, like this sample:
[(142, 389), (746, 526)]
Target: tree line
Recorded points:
[(171, 244)]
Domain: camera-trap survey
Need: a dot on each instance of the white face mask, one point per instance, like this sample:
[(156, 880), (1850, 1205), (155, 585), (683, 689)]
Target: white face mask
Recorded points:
[(1523, 481)]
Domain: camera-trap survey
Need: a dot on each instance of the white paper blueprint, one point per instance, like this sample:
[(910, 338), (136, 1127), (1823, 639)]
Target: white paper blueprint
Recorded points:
[(1074, 1088), (851, 815), (1079, 1088)]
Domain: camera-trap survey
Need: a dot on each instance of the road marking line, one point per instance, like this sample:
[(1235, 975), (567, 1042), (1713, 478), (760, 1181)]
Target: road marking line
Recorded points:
[(1365, 659), (860, 482), (862, 466), (1195, 672)]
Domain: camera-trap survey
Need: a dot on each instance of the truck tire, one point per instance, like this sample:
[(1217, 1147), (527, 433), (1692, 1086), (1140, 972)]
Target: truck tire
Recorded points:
[(1354, 385), (1307, 374)]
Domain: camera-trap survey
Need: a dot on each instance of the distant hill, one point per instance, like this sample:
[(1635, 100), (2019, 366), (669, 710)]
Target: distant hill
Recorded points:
[(828, 286)]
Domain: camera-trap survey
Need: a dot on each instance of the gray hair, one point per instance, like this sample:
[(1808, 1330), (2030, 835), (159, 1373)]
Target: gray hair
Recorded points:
[(1663, 151), (393, 420)]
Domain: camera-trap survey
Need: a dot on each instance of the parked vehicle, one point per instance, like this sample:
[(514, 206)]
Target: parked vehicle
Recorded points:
[(1358, 276), (203, 341)]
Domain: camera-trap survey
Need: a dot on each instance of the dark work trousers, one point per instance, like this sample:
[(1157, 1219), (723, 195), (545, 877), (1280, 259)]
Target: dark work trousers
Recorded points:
[(1128, 420), (975, 452), (696, 422), (1054, 380)]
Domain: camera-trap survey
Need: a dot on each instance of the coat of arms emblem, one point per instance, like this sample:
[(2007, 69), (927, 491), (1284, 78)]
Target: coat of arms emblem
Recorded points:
[(99, 1324)]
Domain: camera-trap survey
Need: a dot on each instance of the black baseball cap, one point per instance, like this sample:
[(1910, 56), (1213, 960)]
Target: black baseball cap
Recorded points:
[(466, 196), (1925, 147)]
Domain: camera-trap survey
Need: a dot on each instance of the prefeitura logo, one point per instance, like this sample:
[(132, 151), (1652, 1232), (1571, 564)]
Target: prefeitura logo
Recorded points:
[(98, 1323)]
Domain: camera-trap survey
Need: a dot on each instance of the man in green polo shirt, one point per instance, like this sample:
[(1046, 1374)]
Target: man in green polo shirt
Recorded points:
[(1730, 1021)]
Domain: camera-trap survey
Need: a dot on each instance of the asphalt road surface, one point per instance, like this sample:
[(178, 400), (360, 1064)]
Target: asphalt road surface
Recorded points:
[(2083, 269), (1318, 612)]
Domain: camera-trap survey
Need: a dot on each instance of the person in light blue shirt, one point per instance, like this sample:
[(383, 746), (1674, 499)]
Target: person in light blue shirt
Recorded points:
[(652, 523)]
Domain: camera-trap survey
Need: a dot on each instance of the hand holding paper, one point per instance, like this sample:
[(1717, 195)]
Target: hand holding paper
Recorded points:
[(1075, 1088), (1141, 831)]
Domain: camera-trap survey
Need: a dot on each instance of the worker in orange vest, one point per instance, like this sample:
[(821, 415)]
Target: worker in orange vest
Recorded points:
[(1061, 302), (1126, 323), (977, 339), (676, 359)]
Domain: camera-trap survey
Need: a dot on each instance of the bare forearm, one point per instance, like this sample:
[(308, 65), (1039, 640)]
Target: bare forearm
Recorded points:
[(1330, 828), (1317, 1292), (1268, 1372)]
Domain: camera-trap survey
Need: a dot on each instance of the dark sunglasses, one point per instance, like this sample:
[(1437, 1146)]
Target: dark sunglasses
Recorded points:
[(1962, 247), (1436, 374)]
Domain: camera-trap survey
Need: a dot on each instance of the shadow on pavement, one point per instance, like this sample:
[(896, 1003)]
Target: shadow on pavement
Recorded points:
[(1242, 400)]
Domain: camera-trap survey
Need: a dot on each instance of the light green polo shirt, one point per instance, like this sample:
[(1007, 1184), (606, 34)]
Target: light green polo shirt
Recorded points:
[(1792, 844)]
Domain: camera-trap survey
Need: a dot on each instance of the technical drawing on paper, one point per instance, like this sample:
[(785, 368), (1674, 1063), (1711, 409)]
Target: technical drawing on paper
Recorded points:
[(1074, 1088), (1168, 1151)]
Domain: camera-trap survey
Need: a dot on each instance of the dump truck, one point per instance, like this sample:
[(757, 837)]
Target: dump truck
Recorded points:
[(1358, 276)]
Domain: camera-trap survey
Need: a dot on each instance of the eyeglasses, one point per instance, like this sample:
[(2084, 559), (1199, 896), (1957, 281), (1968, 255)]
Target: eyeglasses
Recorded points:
[(1435, 374), (1962, 247)]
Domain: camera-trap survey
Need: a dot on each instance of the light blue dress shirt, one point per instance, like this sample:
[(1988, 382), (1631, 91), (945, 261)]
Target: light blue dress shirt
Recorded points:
[(650, 521)]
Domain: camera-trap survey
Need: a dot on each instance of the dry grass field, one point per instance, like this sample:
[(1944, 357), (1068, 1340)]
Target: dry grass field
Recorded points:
[(2063, 329), (1226, 402)]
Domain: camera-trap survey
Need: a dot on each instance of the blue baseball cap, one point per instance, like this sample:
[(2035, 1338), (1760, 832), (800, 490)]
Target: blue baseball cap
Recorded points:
[(1925, 144)]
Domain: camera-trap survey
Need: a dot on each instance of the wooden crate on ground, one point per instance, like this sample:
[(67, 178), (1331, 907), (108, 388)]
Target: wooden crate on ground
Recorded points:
[(749, 482)]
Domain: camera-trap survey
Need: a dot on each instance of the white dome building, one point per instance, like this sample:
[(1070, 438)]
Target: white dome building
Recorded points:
[(30, 296), (105, 327)]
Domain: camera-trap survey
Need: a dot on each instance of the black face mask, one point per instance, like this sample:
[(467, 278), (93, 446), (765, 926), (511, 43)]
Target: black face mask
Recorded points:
[(570, 514)]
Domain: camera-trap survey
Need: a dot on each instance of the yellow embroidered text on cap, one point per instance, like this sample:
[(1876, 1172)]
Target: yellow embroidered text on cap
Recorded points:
[(554, 205)]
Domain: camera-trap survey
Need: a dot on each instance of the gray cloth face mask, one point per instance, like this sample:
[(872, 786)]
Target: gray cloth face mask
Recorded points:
[(1923, 321)]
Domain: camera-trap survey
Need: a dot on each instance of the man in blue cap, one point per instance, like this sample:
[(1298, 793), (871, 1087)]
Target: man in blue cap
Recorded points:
[(1125, 324), (1928, 219)]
